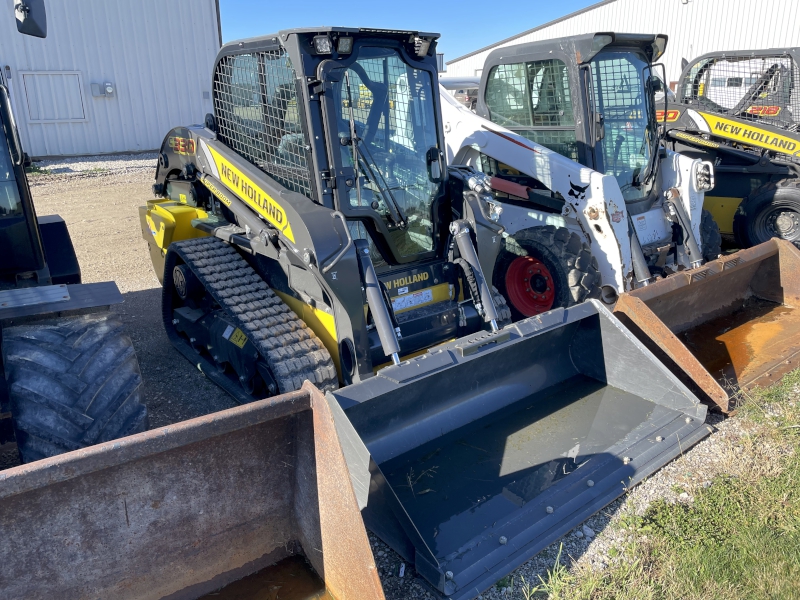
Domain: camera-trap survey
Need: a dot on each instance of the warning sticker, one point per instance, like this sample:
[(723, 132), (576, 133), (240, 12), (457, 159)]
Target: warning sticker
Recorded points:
[(235, 336), (411, 300)]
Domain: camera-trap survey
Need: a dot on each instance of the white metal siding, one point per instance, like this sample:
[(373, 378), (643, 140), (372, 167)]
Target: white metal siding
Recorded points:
[(158, 54), (694, 28)]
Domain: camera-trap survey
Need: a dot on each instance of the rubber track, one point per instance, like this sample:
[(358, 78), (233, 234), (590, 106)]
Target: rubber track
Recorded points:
[(292, 351)]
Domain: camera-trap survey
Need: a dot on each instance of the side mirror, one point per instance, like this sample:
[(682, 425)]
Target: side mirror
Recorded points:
[(435, 160), (31, 17)]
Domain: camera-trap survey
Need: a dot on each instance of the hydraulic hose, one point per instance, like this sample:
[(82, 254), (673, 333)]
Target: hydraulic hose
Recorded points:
[(377, 305), (460, 231)]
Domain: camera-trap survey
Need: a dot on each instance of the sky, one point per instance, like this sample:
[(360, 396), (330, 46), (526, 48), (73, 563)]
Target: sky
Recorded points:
[(465, 26)]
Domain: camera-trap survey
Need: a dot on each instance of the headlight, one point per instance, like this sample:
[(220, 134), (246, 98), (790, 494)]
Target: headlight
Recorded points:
[(322, 44), (344, 45), (704, 176)]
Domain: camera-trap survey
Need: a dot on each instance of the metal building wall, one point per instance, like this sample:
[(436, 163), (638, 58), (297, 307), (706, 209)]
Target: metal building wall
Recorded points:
[(158, 54), (694, 27)]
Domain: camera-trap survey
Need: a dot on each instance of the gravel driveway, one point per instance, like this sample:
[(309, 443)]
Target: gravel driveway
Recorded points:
[(99, 198)]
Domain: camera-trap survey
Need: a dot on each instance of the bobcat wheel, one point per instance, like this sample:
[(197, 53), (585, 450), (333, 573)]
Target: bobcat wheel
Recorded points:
[(543, 268), (771, 211), (710, 237), (72, 382)]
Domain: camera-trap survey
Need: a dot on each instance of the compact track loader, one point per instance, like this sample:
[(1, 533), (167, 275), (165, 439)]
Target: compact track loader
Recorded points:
[(311, 229), (69, 376), (586, 100), (741, 110)]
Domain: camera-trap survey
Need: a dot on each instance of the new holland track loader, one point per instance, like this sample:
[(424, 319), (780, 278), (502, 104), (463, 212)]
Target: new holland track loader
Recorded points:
[(741, 110), (69, 377), (311, 229), (590, 100)]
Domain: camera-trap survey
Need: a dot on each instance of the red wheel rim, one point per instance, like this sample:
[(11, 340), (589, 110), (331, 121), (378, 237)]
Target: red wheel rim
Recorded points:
[(530, 286)]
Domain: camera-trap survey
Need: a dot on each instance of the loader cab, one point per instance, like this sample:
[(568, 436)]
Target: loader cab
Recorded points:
[(23, 256), (762, 85), (591, 98), (348, 118), (384, 143)]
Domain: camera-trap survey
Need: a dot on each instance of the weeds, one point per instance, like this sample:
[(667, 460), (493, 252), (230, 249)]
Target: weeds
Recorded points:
[(35, 169), (412, 479), (739, 538)]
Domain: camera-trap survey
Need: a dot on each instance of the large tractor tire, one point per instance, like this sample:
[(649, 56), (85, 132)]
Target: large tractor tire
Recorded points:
[(710, 237), (772, 210), (72, 382), (542, 268)]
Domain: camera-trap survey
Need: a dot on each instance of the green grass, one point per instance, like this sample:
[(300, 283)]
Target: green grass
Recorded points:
[(34, 169), (739, 539)]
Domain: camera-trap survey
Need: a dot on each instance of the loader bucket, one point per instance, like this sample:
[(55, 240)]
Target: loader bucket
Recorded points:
[(470, 459), (731, 324), (184, 510)]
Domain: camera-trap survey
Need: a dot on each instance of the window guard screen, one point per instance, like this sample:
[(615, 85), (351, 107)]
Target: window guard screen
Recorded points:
[(256, 109), (534, 100), (763, 88)]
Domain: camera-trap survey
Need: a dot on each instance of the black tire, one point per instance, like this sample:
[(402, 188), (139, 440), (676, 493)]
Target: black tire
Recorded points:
[(710, 237), (72, 382), (772, 210), (575, 272)]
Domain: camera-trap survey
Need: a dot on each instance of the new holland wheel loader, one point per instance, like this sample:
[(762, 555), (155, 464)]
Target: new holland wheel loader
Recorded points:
[(741, 110), (69, 376), (586, 100), (310, 229)]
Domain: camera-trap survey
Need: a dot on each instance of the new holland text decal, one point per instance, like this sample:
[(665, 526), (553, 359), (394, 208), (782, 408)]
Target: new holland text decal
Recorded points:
[(250, 193), (751, 135), (408, 281)]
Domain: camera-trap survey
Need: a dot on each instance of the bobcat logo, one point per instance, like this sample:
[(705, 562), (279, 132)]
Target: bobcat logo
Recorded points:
[(577, 191)]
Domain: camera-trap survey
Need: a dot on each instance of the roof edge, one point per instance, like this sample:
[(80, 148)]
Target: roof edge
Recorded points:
[(537, 28)]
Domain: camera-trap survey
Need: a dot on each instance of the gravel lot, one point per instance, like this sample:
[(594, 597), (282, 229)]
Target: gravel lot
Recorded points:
[(99, 197)]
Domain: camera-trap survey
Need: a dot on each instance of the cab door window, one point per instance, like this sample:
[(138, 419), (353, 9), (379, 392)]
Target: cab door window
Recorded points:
[(534, 99)]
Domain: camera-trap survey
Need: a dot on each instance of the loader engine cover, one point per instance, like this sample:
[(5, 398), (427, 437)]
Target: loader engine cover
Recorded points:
[(472, 458)]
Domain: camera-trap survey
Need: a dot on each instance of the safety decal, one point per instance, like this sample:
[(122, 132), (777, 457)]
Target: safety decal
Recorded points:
[(750, 135), (694, 139), (235, 336), (252, 194)]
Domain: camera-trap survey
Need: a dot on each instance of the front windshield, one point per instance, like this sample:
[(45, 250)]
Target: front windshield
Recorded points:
[(392, 107), (630, 128)]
